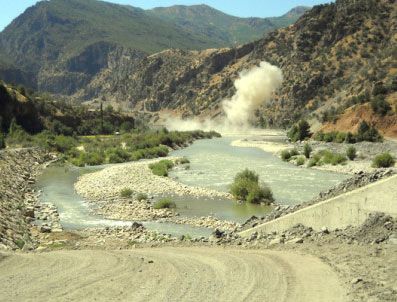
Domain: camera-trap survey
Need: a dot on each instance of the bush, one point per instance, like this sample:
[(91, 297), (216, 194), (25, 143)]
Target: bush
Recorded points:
[(246, 187), (367, 133), (299, 131), (326, 157), (141, 196), (350, 138), (307, 150), (165, 203), (380, 106), (351, 153), (162, 167), (300, 161), (294, 152), (383, 160), (340, 137), (285, 155), (334, 159), (182, 161), (126, 193), (118, 155)]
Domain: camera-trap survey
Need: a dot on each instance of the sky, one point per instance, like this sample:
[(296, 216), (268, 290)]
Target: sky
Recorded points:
[(241, 8)]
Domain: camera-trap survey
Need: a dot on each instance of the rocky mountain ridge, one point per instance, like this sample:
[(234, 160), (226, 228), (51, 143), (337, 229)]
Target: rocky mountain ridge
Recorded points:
[(337, 57), (58, 45)]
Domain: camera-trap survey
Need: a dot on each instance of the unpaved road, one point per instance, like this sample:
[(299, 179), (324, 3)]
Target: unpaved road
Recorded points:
[(176, 274)]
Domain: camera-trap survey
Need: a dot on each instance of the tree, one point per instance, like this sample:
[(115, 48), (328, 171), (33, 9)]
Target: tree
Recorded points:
[(246, 187), (299, 131)]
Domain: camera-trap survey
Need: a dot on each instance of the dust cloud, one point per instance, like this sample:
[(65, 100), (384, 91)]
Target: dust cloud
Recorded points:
[(254, 87)]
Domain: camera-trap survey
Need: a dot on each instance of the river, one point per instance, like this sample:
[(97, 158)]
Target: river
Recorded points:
[(213, 164)]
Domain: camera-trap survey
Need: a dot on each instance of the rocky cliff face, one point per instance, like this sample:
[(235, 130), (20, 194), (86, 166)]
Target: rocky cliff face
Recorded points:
[(332, 55)]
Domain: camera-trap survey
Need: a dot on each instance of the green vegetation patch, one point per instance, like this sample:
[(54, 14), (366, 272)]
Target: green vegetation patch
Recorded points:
[(287, 155), (299, 132), (126, 193), (327, 157), (351, 153), (383, 160), (165, 203), (246, 187), (141, 196), (162, 167)]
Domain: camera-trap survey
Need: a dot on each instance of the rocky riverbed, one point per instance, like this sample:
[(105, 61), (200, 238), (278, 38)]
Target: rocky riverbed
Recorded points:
[(102, 190), (109, 182)]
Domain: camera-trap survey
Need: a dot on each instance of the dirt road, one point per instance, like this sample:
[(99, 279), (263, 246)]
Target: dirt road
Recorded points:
[(168, 274)]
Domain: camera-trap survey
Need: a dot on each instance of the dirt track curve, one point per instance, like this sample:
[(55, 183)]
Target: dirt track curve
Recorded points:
[(176, 274)]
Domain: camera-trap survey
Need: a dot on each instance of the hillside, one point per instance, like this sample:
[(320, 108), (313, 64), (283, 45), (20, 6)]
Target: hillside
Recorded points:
[(59, 45), (229, 30), (335, 57), (36, 112)]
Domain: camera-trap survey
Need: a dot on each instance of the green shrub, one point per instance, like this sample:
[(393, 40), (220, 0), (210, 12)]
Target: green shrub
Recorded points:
[(300, 161), (126, 193), (380, 106), (141, 196), (247, 174), (20, 243), (294, 152), (162, 167), (182, 161), (117, 155), (331, 158), (313, 161), (246, 187), (351, 153), (165, 203), (299, 131), (307, 150), (383, 160), (285, 155), (350, 138), (326, 157), (367, 133), (340, 137)]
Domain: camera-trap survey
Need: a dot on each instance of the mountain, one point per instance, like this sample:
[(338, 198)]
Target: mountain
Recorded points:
[(338, 60), (59, 30), (228, 30), (59, 45)]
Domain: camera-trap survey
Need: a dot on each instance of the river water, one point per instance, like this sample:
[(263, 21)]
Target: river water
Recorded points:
[(213, 164)]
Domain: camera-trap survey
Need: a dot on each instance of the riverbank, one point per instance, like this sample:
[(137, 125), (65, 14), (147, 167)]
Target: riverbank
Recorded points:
[(20, 208), (366, 152)]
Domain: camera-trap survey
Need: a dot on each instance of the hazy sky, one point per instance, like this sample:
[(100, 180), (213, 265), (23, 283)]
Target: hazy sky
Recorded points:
[(10, 9)]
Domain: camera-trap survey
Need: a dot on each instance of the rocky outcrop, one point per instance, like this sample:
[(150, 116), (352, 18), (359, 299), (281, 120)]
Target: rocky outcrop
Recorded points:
[(18, 169)]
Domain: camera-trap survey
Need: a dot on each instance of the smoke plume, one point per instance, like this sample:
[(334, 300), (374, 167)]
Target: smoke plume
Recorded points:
[(254, 88)]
